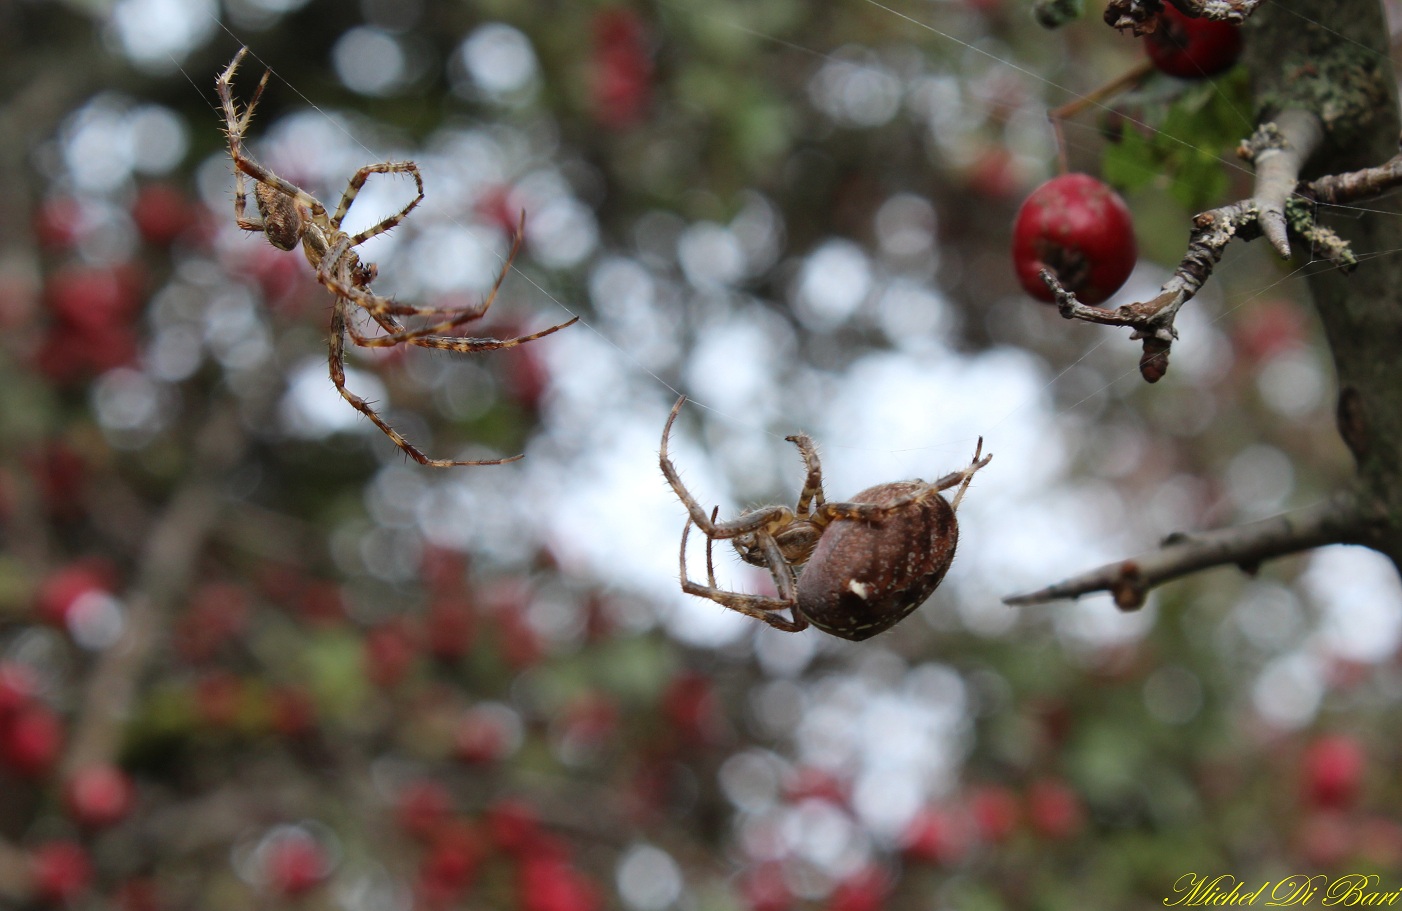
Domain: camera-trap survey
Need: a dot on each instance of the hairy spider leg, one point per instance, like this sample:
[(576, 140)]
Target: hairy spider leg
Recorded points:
[(773, 516), (757, 607), (429, 336), (336, 360), (813, 484), (358, 181)]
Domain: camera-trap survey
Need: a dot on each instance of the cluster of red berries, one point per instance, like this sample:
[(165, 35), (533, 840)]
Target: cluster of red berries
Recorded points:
[(1075, 225)]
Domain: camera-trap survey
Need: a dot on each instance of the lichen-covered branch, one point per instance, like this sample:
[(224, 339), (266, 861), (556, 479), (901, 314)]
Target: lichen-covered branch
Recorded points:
[(1141, 17), (1335, 521), (1279, 150), (1152, 320)]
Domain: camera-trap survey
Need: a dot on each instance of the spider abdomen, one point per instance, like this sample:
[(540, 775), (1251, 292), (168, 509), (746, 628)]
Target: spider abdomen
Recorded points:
[(864, 577)]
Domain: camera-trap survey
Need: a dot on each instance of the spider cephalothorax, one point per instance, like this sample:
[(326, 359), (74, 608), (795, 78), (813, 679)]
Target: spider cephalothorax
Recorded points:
[(851, 569), (289, 216)]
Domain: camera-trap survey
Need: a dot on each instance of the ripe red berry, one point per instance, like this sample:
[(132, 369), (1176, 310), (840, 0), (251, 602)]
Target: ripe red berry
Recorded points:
[(1332, 771), (30, 740), (1192, 48), (62, 872), (161, 212), (422, 808), (99, 796), (1081, 230), (996, 812), (63, 588), (1053, 809), (294, 862)]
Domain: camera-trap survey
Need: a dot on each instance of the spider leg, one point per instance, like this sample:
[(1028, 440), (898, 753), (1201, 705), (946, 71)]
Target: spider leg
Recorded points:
[(776, 516), (236, 124), (966, 476), (755, 606), (813, 484), (358, 181), (337, 361), (868, 512)]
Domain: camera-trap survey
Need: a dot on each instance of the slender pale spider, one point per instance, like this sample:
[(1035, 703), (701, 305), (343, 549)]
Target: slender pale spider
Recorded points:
[(290, 216), (851, 569)]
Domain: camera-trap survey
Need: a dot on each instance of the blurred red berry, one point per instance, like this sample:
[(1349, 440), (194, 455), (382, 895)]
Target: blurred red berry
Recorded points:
[(92, 299), (482, 735), (864, 890), (450, 627), (1325, 838), (17, 688), (62, 872), (294, 863), (452, 858), (62, 588), (293, 711), (548, 884), (161, 212), (321, 603), (98, 796), (1054, 810), (219, 699), (1332, 771), (808, 783), (764, 888), (390, 653), (30, 740), (621, 81), (996, 811), (690, 706), (512, 826), (936, 836), (58, 222), (422, 808)]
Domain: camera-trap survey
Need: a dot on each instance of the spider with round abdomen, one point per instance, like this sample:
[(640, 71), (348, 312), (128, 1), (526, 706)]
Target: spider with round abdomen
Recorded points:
[(852, 569), (289, 216)]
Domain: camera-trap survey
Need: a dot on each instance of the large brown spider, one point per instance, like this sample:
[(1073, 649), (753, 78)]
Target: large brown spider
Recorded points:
[(290, 215), (851, 569)]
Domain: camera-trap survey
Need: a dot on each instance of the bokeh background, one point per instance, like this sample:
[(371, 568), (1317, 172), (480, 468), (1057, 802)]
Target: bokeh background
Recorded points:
[(253, 657)]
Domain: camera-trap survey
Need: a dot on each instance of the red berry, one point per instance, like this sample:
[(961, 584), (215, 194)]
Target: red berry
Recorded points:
[(1192, 48), (764, 888), (622, 77), (422, 808), (452, 858), (59, 222), (864, 890), (17, 687), (935, 836), (99, 796), (30, 741), (449, 628), (483, 735), (62, 872), (1054, 810), (294, 863), (550, 884), (996, 812), (161, 213), (390, 653), (1081, 230), (293, 710), (92, 299), (1332, 771), (63, 588), (512, 826)]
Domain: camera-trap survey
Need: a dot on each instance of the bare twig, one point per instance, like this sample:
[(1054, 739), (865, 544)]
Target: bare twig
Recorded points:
[(1335, 521), (1366, 183)]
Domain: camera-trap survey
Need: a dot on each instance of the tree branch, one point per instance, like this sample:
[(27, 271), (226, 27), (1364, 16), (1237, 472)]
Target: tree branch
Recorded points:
[(1339, 520)]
